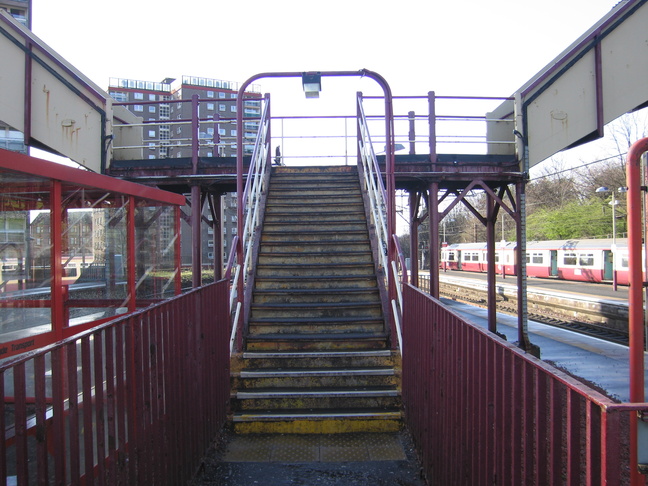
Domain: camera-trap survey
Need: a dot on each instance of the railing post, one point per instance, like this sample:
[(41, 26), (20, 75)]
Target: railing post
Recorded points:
[(432, 124)]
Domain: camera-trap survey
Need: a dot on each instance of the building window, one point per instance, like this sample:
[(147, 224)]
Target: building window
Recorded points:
[(233, 96), (152, 133), (233, 133), (151, 108), (221, 131), (221, 95), (152, 97), (138, 108), (210, 106), (138, 96), (210, 94), (120, 97), (233, 108), (210, 131), (222, 107)]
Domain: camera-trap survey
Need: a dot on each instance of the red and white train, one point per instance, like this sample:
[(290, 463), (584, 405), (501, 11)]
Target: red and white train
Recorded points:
[(583, 260)]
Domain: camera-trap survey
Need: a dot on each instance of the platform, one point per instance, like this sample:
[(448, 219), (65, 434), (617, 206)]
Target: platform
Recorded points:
[(599, 363)]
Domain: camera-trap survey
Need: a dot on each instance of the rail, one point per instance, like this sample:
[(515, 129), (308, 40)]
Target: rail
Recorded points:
[(377, 196), (249, 219), (117, 404), (491, 410)]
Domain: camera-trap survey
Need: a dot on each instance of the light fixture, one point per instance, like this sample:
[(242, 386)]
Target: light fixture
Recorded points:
[(312, 83)]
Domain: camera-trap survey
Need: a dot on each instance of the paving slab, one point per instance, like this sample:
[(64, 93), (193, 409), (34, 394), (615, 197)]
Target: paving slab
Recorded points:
[(372, 459)]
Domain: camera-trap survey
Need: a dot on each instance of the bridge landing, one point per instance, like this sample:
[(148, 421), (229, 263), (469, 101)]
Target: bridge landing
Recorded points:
[(335, 459)]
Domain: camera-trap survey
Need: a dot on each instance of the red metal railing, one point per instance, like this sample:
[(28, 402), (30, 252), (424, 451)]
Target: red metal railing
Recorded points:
[(134, 401), (483, 412)]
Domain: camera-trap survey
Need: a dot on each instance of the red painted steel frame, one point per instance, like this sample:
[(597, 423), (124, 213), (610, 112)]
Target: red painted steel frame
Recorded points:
[(636, 227), (146, 394), (62, 176), (484, 412)]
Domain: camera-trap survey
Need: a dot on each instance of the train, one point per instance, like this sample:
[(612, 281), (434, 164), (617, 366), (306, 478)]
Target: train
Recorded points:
[(593, 260)]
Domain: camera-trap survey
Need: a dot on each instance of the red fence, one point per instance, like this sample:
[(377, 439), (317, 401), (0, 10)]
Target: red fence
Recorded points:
[(483, 412), (133, 401)]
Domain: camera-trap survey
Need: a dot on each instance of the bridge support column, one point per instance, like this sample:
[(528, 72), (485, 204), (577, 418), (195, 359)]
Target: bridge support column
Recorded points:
[(491, 218), (433, 205), (414, 223)]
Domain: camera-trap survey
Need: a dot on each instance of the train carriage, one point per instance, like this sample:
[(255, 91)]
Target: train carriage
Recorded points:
[(592, 260)]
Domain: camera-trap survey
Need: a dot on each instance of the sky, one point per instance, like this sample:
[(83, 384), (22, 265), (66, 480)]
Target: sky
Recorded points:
[(461, 47), (454, 48)]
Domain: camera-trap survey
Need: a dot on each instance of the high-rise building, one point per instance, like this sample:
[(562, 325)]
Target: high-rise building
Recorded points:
[(11, 139), (19, 9), (167, 133), (216, 103)]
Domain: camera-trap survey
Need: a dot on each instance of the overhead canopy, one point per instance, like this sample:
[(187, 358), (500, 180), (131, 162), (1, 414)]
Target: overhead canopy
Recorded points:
[(594, 81)]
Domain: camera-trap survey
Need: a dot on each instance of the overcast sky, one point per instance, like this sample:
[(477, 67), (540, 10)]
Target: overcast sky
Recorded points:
[(454, 47)]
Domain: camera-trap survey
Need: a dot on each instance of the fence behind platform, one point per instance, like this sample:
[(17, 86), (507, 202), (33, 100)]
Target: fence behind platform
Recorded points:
[(483, 412), (133, 401)]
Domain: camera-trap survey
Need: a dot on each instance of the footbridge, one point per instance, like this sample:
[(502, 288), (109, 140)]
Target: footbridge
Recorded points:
[(115, 372)]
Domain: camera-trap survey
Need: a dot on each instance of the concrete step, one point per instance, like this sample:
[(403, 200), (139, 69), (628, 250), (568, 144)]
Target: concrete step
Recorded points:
[(308, 311), (315, 270), (318, 398), (322, 216), (330, 258), (288, 246), (299, 227), (318, 359), (315, 296), (328, 342), (297, 206), (309, 378), (313, 234), (306, 422), (311, 282)]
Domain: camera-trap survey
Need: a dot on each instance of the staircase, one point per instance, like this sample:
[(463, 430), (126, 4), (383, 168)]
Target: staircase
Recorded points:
[(317, 356)]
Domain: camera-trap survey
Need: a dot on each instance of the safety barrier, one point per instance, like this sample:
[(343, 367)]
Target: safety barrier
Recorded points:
[(484, 412), (118, 404)]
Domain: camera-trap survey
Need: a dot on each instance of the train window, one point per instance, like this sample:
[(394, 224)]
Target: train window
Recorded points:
[(451, 256), (496, 257), (475, 257), (466, 257), (586, 259), (537, 258), (569, 259), (624, 261), (70, 271)]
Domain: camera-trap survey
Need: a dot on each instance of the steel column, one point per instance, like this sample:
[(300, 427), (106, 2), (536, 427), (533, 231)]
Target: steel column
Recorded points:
[(414, 241), (433, 193), (636, 227), (490, 252)]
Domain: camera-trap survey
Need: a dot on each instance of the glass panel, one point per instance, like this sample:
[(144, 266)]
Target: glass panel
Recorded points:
[(155, 239), (25, 246), (94, 256)]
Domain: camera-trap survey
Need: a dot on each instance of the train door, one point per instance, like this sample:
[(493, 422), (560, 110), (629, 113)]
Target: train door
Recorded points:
[(553, 256), (608, 265), (459, 260)]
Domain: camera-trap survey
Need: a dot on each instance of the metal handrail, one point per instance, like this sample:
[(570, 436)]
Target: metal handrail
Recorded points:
[(251, 213), (377, 196)]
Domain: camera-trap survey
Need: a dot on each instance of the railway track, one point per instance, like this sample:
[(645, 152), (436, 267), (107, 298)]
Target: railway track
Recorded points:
[(604, 321)]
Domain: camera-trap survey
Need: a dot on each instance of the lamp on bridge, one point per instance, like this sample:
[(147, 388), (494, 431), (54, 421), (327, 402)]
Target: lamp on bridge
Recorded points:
[(312, 83), (613, 203)]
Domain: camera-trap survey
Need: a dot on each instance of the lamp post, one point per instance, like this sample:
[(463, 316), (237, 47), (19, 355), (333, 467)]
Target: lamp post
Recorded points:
[(613, 203)]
